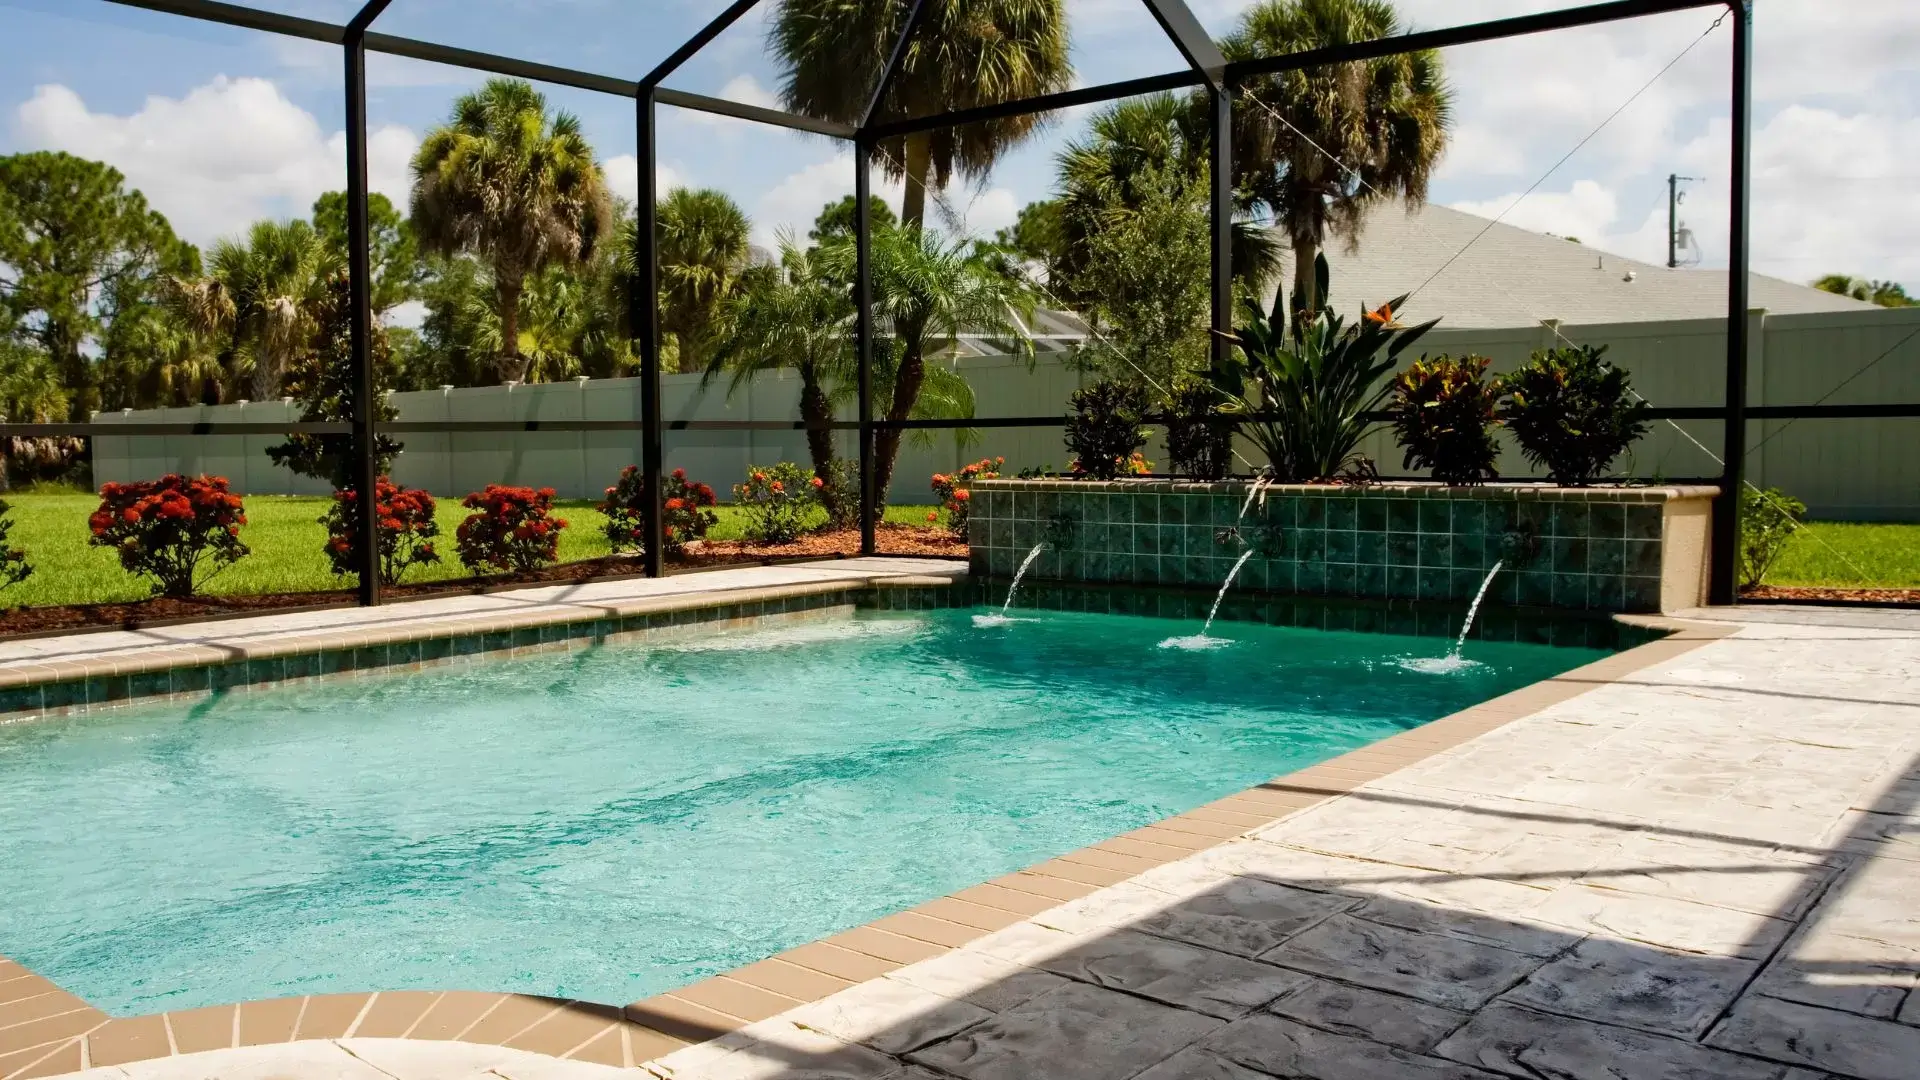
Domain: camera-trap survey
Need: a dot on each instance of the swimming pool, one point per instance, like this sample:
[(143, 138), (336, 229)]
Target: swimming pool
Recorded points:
[(611, 823)]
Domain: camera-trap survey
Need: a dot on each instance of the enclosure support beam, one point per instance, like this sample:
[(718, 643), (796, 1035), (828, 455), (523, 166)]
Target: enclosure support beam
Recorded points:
[(643, 311), (1222, 169), (1723, 577), (360, 302), (1192, 39), (863, 335)]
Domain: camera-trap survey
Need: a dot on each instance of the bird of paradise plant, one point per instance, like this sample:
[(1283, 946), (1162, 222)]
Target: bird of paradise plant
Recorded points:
[(1310, 390)]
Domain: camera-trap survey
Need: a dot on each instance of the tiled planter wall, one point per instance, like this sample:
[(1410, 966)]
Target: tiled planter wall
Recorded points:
[(1608, 549)]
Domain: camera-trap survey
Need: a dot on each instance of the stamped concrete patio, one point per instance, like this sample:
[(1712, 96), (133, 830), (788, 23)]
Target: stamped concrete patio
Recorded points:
[(1706, 869)]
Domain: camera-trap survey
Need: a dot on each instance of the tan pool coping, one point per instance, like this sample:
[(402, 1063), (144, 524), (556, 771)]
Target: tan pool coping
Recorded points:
[(46, 1031)]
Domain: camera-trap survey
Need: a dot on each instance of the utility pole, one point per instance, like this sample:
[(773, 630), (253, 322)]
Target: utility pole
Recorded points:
[(1673, 217)]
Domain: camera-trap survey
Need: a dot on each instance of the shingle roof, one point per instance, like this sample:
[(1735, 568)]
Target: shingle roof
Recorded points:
[(1513, 277)]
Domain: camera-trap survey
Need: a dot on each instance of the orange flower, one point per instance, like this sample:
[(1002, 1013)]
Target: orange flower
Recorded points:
[(1383, 316), (933, 516)]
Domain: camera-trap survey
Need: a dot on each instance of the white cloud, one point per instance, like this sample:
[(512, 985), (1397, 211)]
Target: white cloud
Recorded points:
[(623, 177), (228, 153), (747, 90), (1586, 210), (795, 202)]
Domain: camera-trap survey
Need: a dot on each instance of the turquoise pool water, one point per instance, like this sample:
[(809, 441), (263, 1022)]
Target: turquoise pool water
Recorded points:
[(613, 823)]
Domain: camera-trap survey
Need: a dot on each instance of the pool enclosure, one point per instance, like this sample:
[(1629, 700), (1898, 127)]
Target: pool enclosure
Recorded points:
[(882, 120)]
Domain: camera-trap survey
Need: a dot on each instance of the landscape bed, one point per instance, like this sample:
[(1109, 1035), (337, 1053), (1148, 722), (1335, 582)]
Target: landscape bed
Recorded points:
[(612, 821)]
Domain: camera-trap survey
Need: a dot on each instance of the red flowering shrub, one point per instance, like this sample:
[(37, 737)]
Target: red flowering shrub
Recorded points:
[(952, 491), (777, 499), (170, 529), (686, 512), (511, 529), (14, 567), (407, 530)]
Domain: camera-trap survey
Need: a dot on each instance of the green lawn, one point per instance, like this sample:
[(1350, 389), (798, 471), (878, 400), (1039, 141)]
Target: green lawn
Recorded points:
[(1881, 556), (286, 538)]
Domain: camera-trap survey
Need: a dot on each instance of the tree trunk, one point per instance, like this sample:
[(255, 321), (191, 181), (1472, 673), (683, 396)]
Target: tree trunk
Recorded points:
[(919, 164), (511, 366), (816, 410), (906, 392), (1305, 284), (265, 383)]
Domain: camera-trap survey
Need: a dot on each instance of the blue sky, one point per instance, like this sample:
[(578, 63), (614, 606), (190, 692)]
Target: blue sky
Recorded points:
[(220, 126)]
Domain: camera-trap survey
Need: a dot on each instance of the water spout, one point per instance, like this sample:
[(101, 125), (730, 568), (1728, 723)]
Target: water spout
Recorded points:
[(1467, 627), (1453, 661), (1002, 617), (1203, 640)]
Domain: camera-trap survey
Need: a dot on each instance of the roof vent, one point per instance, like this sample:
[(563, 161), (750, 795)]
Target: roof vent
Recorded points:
[(1599, 262), (1631, 275)]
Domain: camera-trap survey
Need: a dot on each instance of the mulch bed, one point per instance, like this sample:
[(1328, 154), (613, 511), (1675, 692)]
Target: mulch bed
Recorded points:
[(1824, 595), (891, 539)]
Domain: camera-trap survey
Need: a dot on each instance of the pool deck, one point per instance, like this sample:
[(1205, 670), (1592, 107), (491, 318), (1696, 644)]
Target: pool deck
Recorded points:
[(1693, 859)]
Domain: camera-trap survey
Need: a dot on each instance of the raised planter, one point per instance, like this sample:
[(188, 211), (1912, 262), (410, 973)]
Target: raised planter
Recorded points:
[(1634, 549)]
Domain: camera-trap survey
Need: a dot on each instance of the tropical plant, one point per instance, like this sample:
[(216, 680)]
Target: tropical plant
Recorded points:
[(406, 523), (31, 392), (926, 291), (327, 389), (1146, 156), (1318, 147), (796, 317), (518, 187), (171, 529), (1573, 412), (1443, 413), (1888, 294), (965, 53), (1199, 435), (1316, 382), (265, 293), (1106, 428), (686, 509), (1768, 520), (1039, 235), (511, 529), (702, 252), (955, 491), (776, 499), (14, 567), (79, 256)]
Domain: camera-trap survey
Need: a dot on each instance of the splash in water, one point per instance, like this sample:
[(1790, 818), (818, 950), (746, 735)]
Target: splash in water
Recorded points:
[(1002, 618), (1203, 640), (1453, 662)]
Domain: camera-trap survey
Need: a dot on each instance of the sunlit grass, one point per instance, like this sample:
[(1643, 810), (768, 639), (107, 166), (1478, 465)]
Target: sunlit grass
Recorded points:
[(1851, 555), (286, 539)]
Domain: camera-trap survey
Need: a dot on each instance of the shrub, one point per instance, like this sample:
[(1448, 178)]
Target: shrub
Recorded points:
[(407, 530), (14, 567), (777, 499), (1199, 435), (1105, 429), (1573, 412), (840, 493), (510, 529), (1443, 415), (171, 529), (685, 512), (954, 490), (1319, 379), (1767, 521)]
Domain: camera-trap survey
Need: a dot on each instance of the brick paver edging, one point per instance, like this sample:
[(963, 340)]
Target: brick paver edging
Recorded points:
[(45, 1031)]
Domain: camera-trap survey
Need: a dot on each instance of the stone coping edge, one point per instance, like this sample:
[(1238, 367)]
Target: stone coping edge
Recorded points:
[(1386, 489), (45, 1031), (166, 672)]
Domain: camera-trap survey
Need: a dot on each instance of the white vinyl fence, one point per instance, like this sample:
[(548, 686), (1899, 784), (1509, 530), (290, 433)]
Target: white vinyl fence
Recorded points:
[(1856, 469)]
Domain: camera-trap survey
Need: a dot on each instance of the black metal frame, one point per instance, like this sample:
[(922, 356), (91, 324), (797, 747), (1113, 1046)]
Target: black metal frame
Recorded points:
[(1206, 68)]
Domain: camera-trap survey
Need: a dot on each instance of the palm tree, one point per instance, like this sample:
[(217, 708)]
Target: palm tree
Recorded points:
[(262, 294), (1385, 120), (926, 291), (702, 250), (965, 53), (797, 316), (514, 185), (1159, 141)]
